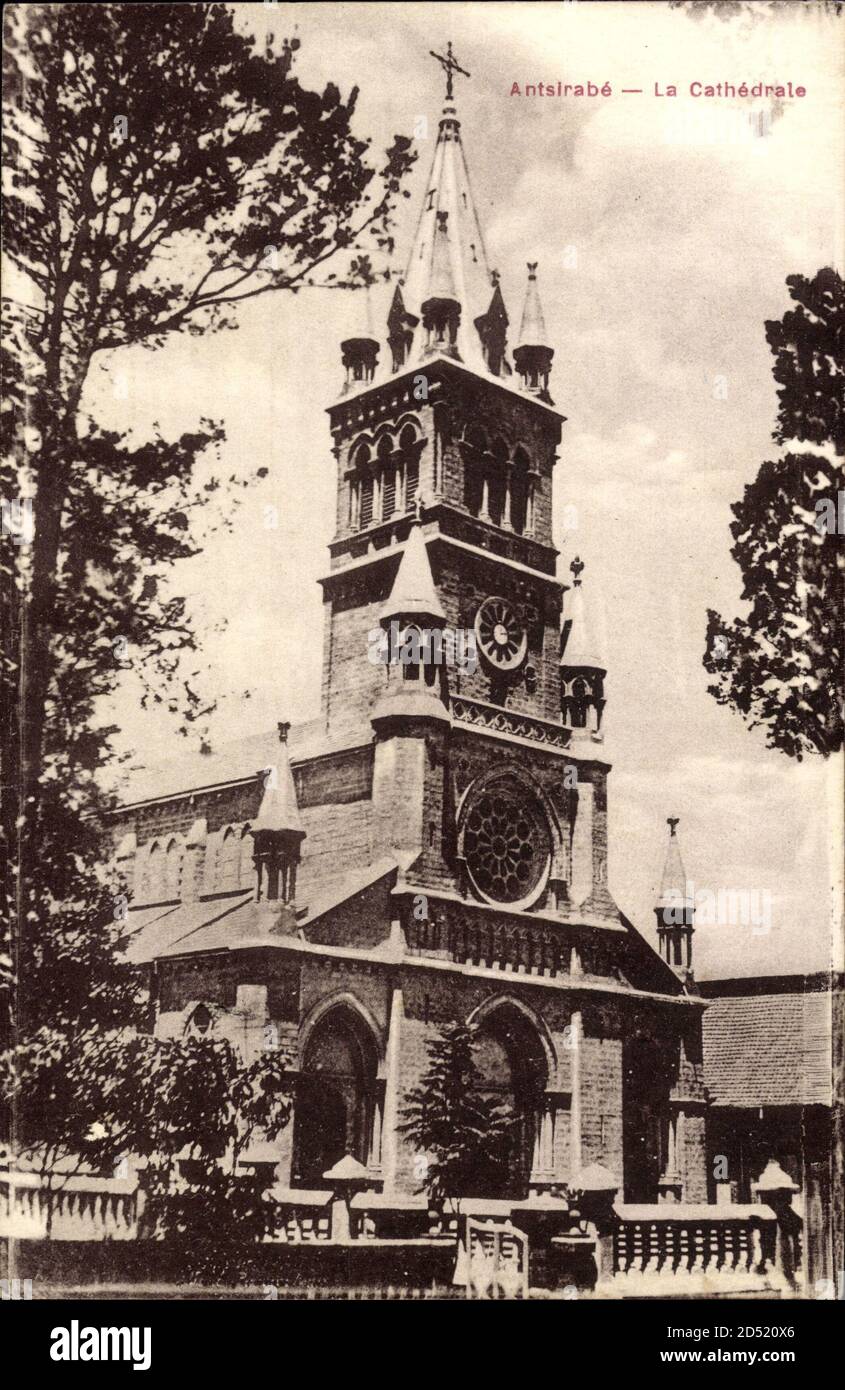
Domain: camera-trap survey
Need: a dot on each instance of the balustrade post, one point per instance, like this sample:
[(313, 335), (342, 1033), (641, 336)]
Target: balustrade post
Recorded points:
[(776, 1189), (596, 1190)]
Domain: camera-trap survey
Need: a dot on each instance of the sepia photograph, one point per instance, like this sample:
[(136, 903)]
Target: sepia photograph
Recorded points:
[(423, 591)]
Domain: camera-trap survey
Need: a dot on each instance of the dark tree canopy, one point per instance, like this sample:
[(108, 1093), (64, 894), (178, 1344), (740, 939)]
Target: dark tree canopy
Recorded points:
[(161, 167), (781, 666)]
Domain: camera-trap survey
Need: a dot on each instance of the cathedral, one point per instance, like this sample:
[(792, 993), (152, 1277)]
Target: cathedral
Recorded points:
[(433, 847)]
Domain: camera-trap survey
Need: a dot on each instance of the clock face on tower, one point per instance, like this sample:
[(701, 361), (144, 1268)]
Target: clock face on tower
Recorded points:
[(500, 634)]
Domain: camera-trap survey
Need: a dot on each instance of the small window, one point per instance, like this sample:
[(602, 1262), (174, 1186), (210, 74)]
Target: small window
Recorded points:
[(173, 870), (412, 482), (366, 501), (228, 862)]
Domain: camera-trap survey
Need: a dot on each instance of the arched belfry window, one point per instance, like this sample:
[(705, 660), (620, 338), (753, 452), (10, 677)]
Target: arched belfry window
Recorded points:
[(246, 858), (496, 465), (519, 484), (410, 446), (386, 484), (338, 1110), (475, 454)]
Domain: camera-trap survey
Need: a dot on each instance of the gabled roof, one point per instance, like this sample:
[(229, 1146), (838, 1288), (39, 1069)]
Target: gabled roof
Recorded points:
[(768, 1049), (239, 922)]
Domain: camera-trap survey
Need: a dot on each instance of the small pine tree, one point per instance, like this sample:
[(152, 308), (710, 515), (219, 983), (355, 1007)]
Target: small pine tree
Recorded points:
[(465, 1136)]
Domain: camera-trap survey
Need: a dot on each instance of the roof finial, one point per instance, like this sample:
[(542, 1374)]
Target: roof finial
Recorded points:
[(451, 66), (672, 822), (576, 568)]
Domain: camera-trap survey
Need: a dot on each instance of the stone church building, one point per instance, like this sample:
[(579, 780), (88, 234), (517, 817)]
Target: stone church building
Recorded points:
[(433, 847)]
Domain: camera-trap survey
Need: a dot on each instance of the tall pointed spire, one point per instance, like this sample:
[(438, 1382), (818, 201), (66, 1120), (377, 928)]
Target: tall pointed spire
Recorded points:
[(278, 831), (582, 669), (674, 908), (673, 882), (449, 251), (581, 646), (532, 354)]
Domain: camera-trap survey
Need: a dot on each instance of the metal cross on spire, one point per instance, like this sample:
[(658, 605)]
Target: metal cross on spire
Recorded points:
[(672, 822), (450, 66)]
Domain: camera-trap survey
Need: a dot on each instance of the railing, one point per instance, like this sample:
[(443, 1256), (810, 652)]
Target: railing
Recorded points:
[(732, 1245), (304, 1216), (68, 1208), (703, 1248), (475, 940)]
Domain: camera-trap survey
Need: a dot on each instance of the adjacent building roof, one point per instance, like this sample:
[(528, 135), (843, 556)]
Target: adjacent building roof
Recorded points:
[(233, 761), (236, 921), (768, 1047)]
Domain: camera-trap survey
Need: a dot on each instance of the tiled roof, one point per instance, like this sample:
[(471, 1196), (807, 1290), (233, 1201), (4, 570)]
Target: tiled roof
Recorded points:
[(228, 923), (230, 762), (768, 1049)]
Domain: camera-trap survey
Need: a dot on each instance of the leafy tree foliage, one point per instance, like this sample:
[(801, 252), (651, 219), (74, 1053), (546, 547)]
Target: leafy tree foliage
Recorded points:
[(781, 666), (464, 1136), (161, 168)]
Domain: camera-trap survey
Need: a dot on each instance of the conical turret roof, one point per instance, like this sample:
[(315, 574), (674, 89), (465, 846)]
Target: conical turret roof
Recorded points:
[(673, 882), (532, 330), (361, 316), (413, 594), (279, 809), (442, 280), (581, 648)]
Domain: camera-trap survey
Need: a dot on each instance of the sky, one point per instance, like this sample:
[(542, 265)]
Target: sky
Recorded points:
[(664, 229)]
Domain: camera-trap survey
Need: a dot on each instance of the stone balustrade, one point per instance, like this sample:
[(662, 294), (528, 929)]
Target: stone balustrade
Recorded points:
[(83, 1207), (703, 1248), (726, 1247)]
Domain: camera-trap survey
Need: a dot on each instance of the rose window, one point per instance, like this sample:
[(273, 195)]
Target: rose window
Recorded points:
[(500, 634), (506, 846)]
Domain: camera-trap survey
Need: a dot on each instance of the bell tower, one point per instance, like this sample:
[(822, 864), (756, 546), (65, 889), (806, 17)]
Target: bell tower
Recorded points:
[(445, 457)]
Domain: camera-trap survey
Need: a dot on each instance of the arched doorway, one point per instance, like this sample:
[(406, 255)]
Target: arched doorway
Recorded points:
[(336, 1096), (513, 1073)]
